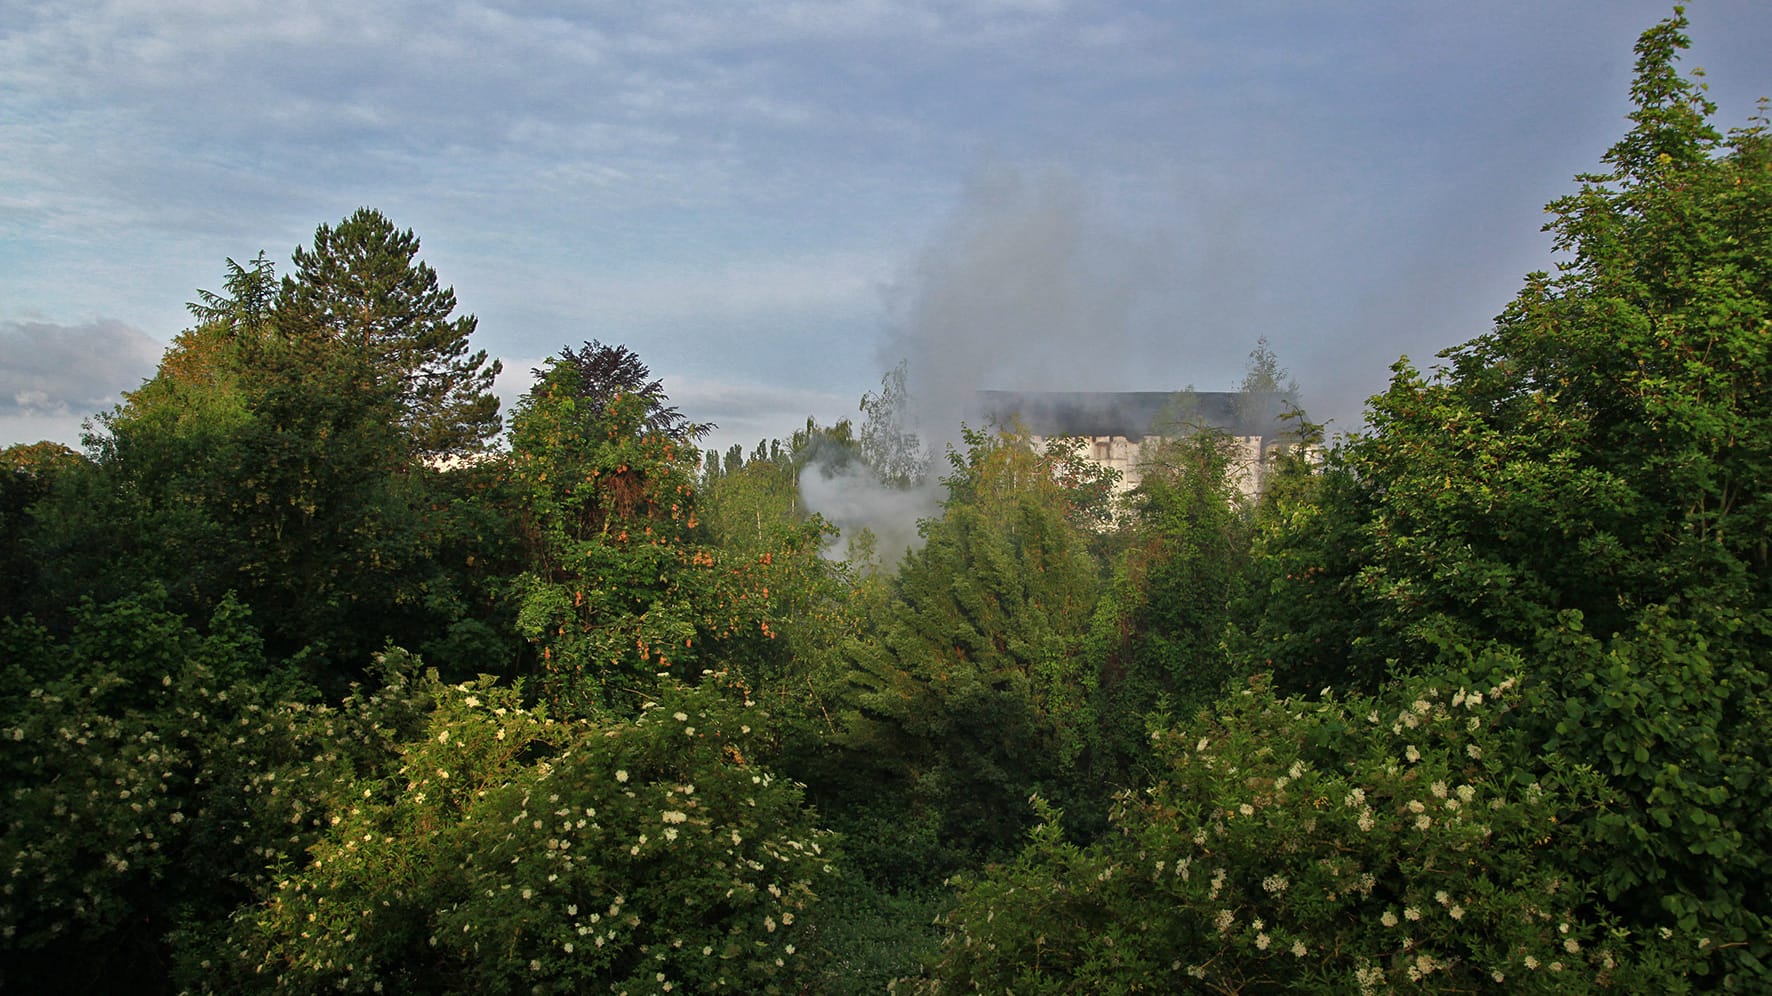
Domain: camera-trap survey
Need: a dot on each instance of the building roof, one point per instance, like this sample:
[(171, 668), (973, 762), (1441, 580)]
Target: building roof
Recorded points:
[(1135, 414)]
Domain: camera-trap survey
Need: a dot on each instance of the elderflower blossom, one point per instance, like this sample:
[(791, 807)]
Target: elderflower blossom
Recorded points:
[(621, 775), (1389, 919)]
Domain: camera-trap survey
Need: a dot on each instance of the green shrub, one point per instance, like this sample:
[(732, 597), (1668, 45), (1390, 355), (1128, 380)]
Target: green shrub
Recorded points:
[(1359, 845), (513, 851), (151, 773)]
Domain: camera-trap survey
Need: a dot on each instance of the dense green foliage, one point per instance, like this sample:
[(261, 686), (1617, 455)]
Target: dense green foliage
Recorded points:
[(142, 761), (973, 692), (509, 850), (1159, 634), (1365, 845), (279, 453), (1585, 487), (306, 685)]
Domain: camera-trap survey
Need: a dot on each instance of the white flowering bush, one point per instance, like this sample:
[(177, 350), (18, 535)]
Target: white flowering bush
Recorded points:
[(1358, 845), (512, 851), (103, 744), (151, 774)]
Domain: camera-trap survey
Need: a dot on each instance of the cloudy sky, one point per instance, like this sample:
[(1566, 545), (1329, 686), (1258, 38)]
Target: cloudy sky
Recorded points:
[(771, 202)]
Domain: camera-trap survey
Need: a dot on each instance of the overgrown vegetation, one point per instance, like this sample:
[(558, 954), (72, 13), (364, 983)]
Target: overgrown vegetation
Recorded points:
[(307, 685)]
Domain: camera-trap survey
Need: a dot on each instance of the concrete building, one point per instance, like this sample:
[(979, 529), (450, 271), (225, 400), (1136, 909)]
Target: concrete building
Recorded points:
[(1123, 429)]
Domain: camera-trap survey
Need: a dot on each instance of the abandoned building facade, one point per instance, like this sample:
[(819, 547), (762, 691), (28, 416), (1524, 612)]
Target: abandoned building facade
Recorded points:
[(1123, 429)]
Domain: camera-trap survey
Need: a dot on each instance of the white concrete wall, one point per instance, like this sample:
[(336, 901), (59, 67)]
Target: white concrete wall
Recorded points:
[(1250, 460)]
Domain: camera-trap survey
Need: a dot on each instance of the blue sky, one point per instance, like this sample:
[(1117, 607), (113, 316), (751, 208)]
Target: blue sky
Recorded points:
[(772, 202)]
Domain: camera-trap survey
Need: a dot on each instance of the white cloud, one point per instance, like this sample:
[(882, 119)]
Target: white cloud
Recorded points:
[(708, 296), (55, 377), (57, 371)]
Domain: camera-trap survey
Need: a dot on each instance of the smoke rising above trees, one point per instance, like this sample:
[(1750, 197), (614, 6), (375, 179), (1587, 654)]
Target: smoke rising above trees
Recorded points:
[(1027, 287), (1031, 286)]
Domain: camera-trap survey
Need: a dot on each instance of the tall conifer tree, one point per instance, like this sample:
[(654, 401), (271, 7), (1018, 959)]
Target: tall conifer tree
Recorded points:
[(363, 288)]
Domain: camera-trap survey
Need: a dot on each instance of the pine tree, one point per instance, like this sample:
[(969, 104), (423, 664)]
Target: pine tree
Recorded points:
[(251, 293), (362, 287), (975, 693)]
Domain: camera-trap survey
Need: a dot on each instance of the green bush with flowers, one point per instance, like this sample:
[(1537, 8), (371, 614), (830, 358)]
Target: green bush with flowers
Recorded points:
[(150, 781), (513, 851), (1332, 845)]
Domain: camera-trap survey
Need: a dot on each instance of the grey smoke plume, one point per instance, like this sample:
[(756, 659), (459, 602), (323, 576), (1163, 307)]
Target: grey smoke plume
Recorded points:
[(1027, 288), (852, 498)]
